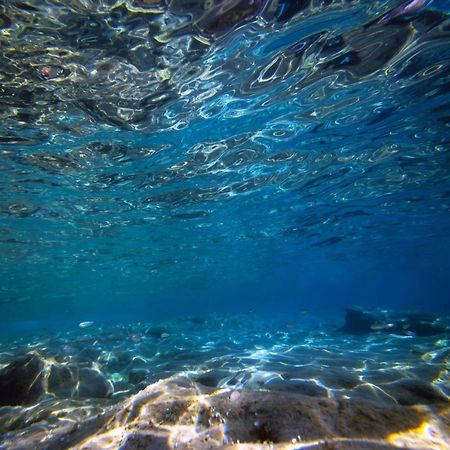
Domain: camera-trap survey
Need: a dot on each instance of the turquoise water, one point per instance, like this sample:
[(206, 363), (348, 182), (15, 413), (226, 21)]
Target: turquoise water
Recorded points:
[(233, 205), (160, 160)]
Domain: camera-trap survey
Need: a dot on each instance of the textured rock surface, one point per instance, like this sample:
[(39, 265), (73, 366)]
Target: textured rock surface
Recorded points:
[(61, 381), (359, 321), (178, 413), (93, 383), (21, 382), (413, 392), (242, 383)]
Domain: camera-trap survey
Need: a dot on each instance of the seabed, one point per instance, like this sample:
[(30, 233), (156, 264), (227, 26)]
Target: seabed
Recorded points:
[(238, 382)]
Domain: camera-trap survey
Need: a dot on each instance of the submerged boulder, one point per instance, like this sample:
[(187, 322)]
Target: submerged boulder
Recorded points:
[(136, 376), (69, 381), (61, 381), (415, 392), (22, 381), (93, 383), (358, 321), (424, 325)]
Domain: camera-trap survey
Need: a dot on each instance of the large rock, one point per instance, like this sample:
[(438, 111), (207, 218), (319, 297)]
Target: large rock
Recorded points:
[(136, 376), (424, 325), (221, 420), (61, 381), (21, 382), (178, 413), (358, 321), (93, 383), (413, 392)]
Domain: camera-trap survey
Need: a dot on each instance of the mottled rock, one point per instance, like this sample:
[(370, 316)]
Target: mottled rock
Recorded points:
[(423, 328), (157, 332), (358, 321), (303, 387), (338, 378), (61, 381), (135, 376), (21, 382), (212, 378), (442, 356), (367, 391), (250, 417), (117, 361), (89, 353), (415, 392), (93, 383), (139, 363), (178, 413)]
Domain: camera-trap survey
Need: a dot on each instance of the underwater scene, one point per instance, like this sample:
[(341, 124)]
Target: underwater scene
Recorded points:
[(224, 224)]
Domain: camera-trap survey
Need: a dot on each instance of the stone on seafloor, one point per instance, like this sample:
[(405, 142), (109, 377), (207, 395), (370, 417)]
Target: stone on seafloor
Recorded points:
[(156, 332), (358, 321), (415, 392), (118, 361), (135, 376), (21, 382), (212, 378), (336, 378), (423, 327), (61, 381), (303, 387), (93, 383)]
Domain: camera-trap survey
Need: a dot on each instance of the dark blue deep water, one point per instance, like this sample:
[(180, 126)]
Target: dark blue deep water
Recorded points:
[(256, 165)]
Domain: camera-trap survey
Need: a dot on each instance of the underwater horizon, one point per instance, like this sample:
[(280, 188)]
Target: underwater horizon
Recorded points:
[(227, 191)]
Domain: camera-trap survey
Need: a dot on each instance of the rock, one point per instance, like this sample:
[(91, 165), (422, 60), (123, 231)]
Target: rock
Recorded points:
[(212, 378), (336, 378), (93, 383), (118, 361), (135, 376), (90, 353), (250, 417), (424, 328), (358, 321), (156, 332), (302, 387), (61, 381), (371, 392), (178, 413), (442, 356), (21, 382), (415, 392), (139, 363)]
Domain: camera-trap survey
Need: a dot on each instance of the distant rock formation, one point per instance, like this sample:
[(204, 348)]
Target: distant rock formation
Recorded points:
[(360, 321)]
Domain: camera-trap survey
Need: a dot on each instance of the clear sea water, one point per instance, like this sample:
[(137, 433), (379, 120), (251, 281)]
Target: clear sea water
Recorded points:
[(159, 160), (200, 189)]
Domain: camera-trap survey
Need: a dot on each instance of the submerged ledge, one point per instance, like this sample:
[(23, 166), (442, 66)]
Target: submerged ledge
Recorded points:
[(178, 413)]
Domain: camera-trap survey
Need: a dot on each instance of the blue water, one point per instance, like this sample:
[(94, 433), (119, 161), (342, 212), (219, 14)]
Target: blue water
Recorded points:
[(224, 223), (159, 161)]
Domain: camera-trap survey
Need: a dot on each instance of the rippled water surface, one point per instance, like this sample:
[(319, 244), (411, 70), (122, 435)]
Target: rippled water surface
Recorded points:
[(173, 156)]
